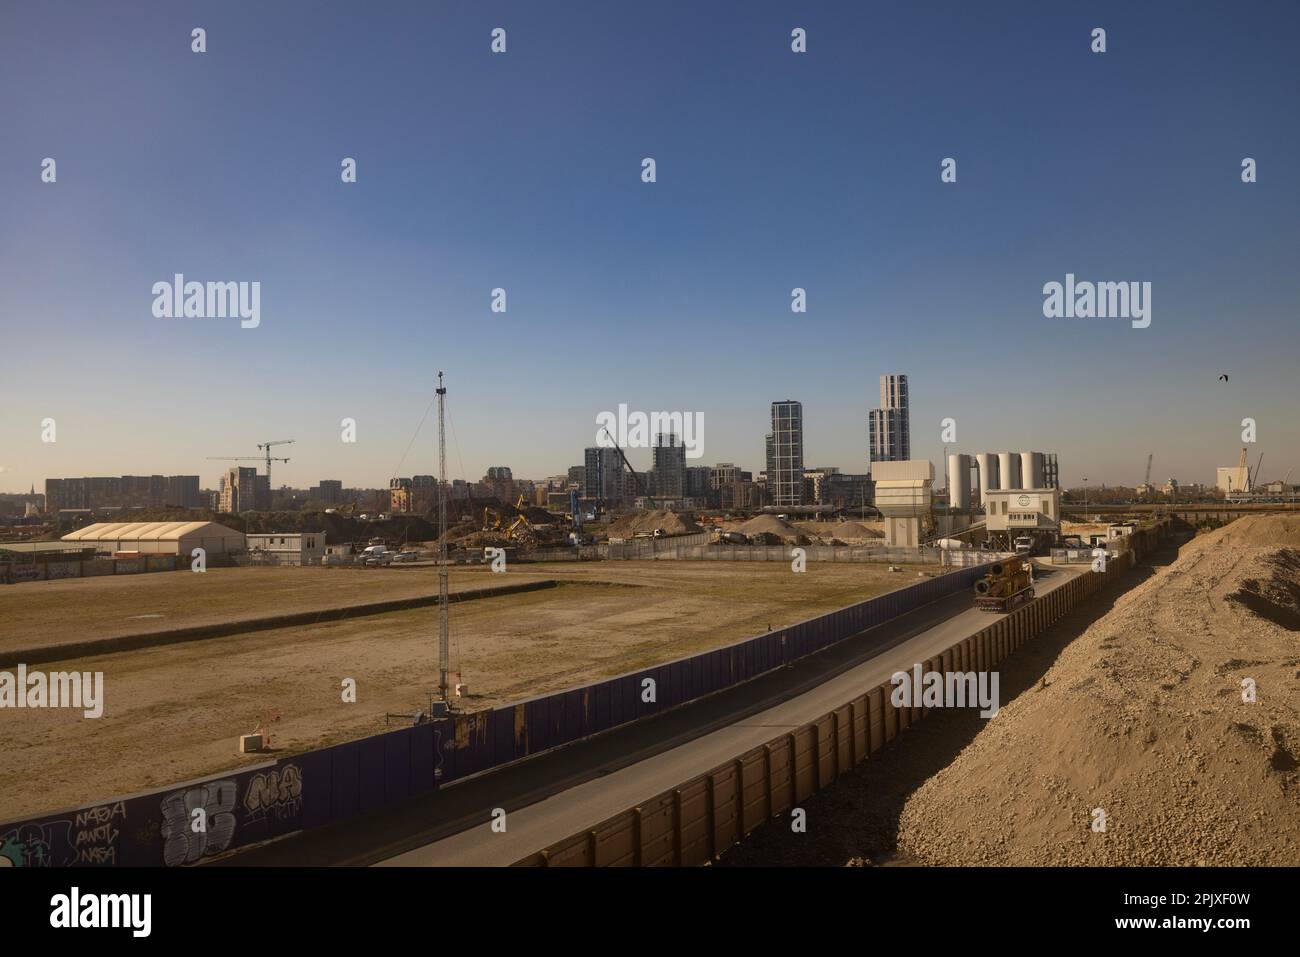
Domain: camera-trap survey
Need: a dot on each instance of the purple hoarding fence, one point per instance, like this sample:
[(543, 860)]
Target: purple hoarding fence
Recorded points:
[(188, 823)]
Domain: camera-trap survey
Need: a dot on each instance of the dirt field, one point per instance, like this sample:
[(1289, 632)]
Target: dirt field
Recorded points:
[(175, 712), (80, 609)]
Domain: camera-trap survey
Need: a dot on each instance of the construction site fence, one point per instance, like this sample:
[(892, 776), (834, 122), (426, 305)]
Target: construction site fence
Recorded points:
[(695, 821), (673, 551), (330, 785), (12, 573)]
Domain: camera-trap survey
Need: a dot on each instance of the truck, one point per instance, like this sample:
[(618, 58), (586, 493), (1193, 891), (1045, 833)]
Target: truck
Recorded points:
[(375, 555), (1008, 585)]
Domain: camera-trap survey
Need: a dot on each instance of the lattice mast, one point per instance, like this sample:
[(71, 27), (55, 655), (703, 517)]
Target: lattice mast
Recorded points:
[(444, 642)]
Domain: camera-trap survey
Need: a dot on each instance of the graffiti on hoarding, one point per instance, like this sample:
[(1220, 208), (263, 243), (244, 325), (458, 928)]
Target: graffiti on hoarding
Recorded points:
[(276, 793), (48, 844), (23, 573), (187, 835), (97, 832), (63, 570)]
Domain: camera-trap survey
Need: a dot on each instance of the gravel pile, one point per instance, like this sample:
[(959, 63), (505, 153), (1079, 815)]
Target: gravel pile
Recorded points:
[(1142, 716)]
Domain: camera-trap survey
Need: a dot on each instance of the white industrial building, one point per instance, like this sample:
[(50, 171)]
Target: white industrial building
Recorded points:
[(903, 498), (159, 538), (287, 548), (1022, 511)]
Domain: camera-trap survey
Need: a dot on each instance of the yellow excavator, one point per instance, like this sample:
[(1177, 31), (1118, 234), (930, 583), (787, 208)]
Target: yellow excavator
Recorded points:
[(522, 532)]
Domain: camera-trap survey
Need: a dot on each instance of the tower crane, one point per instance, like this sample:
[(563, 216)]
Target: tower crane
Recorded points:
[(266, 447)]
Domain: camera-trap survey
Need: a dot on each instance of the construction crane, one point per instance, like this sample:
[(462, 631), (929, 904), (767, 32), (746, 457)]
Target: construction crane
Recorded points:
[(1252, 479), (640, 486), (1146, 482), (252, 458), (266, 447)]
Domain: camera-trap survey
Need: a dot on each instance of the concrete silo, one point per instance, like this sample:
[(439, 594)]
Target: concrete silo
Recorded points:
[(959, 482), (1031, 469), (1009, 470), (987, 463)]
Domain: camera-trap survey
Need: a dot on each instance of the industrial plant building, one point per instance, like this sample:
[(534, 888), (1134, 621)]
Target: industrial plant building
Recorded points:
[(1018, 493), (158, 538)]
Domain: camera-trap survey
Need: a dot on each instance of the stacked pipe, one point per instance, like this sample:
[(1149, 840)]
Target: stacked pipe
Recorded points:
[(1005, 578)]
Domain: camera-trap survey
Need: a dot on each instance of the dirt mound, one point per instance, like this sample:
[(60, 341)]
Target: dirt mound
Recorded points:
[(1251, 530), (646, 522), (761, 525), (1143, 717), (852, 532)]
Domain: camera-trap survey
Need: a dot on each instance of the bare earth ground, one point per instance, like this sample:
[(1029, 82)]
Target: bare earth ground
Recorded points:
[(175, 712), (1138, 712), (42, 613)]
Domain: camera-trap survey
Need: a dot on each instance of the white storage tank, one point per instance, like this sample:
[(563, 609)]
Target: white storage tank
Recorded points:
[(1031, 469), (1009, 470), (959, 482), (987, 463)]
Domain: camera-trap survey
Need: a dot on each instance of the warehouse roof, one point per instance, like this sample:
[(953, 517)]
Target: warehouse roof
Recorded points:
[(149, 531)]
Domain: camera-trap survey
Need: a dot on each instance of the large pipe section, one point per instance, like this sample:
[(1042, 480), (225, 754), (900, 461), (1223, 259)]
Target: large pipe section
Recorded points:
[(1008, 470), (959, 482)]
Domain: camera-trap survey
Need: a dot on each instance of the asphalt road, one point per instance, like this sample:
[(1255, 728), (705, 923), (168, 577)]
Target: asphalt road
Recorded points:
[(552, 796)]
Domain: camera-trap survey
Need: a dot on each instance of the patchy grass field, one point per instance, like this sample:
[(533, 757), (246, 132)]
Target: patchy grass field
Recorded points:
[(175, 712)]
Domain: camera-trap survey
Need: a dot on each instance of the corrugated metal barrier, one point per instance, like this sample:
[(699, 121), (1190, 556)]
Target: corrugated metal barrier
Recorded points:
[(696, 820)]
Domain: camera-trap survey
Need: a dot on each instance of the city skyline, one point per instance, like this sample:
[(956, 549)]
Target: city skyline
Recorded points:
[(671, 295)]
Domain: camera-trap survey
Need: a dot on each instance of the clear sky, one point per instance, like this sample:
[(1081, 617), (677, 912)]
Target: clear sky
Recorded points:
[(522, 170)]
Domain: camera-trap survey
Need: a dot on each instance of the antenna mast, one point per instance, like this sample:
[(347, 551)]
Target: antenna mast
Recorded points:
[(444, 645)]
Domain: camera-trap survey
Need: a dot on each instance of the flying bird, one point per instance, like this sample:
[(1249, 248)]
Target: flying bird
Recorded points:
[(1224, 377)]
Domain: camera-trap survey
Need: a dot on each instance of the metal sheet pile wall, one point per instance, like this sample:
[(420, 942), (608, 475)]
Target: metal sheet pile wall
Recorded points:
[(694, 822)]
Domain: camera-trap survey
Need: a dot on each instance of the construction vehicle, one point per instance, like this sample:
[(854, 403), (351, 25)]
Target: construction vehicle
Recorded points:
[(492, 519), (1008, 585), (520, 531)]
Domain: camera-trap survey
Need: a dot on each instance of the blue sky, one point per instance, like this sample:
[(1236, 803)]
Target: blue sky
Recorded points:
[(522, 171)]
